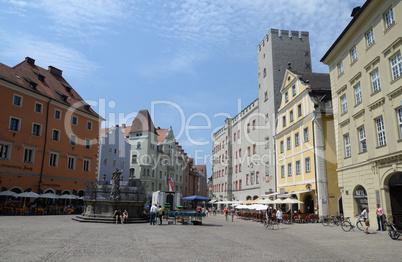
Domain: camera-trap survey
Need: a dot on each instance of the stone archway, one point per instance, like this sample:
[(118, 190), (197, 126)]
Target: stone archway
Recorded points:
[(395, 194)]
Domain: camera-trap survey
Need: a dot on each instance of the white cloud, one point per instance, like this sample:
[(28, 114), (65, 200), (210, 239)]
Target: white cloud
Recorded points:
[(70, 61)]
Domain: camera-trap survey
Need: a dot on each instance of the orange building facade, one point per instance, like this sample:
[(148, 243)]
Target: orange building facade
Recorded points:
[(49, 140)]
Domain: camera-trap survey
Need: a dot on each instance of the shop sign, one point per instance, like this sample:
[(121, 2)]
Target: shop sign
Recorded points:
[(360, 194)]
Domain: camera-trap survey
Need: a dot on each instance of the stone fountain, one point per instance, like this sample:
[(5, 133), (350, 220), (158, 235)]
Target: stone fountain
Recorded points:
[(100, 202)]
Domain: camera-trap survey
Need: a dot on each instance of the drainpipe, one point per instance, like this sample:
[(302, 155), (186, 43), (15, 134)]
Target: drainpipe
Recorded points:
[(44, 147)]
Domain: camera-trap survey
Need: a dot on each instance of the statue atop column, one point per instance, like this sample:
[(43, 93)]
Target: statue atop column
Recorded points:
[(115, 193)]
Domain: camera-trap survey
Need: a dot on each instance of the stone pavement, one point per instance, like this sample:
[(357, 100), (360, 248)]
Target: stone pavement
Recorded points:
[(58, 238)]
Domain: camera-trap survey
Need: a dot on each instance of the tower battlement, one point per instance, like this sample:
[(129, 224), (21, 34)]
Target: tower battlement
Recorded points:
[(283, 35)]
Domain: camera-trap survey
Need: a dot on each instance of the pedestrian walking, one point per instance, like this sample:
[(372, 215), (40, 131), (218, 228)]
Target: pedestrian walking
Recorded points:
[(380, 221), (214, 211), (225, 212), (206, 212), (160, 214), (153, 212), (366, 219), (279, 217), (233, 214)]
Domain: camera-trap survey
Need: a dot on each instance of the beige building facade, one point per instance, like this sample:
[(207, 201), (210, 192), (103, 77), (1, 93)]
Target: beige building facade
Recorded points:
[(366, 82)]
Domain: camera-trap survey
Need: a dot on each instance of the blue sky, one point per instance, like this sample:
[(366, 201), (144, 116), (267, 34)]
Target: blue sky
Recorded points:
[(185, 61)]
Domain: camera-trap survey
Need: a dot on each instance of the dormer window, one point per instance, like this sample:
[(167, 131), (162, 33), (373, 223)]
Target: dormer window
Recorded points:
[(67, 87), (31, 83), (63, 97), (40, 76), (86, 107)]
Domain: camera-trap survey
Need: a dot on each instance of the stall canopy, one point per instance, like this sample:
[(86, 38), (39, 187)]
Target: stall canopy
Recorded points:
[(195, 197)]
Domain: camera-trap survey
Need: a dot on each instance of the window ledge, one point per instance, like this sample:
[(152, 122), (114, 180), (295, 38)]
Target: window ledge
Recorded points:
[(361, 153), (376, 92), (389, 28), (354, 62), (346, 157), (370, 46), (396, 79), (381, 146), (360, 103)]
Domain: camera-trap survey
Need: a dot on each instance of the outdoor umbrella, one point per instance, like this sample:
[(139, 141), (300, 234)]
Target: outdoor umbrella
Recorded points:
[(67, 196), (291, 201), (265, 201), (277, 201), (28, 194), (49, 195), (7, 194)]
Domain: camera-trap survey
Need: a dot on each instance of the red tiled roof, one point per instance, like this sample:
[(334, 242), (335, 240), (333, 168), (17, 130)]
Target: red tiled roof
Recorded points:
[(143, 122), (161, 134), (27, 75)]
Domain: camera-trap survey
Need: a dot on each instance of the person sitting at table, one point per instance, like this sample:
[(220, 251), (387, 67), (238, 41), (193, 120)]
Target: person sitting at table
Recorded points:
[(117, 215), (125, 216)]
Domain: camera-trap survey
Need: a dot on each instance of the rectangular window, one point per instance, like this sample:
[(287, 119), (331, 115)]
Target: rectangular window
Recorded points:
[(257, 177), (288, 142), (353, 54), (38, 107), (254, 149), (344, 104), (239, 169), (281, 146), (290, 169), (396, 66), (248, 128), (15, 124), (105, 161), (87, 165), (389, 18), (298, 167), (89, 125), (299, 110), (240, 152), (56, 135), (375, 81), (286, 97), (306, 135), (399, 116), (267, 143), (234, 137), (134, 159), (358, 94), (340, 68), (380, 131), (5, 151), (114, 162), (267, 169), (57, 114), (370, 37), (36, 129), (307, 164), (253, 124), (297, 143), (74, 120), (17, 100), (346, 138), (248, 151), (238, 134), (73, 140), (362, 139), (284, 121), (53, 160), (88, 143), (282, 171), (293, 91), (71, 163), (291, 116)]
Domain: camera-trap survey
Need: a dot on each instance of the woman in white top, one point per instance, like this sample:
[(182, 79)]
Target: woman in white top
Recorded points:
[(279, 217), (366, 219)]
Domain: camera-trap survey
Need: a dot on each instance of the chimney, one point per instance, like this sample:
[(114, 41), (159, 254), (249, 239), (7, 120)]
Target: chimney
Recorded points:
[(30, 60), (355, 11), (55, 71)]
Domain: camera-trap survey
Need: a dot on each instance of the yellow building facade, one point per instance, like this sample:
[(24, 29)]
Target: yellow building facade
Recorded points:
[(366, 82), (305, 145)]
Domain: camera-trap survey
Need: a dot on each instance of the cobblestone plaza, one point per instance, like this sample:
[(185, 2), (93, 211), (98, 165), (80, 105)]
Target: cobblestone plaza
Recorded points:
[(58, 238)]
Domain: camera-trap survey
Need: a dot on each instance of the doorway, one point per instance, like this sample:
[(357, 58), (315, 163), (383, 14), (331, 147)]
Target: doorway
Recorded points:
[(308, 204), (395, 193)]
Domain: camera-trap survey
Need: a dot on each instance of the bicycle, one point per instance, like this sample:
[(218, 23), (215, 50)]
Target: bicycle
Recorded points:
[(335, 220), (347, 225), (325, 221)]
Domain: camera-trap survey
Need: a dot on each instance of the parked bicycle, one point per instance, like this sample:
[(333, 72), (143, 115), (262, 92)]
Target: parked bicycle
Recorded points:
[(335, 220), (325, 221), (347, 225)]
